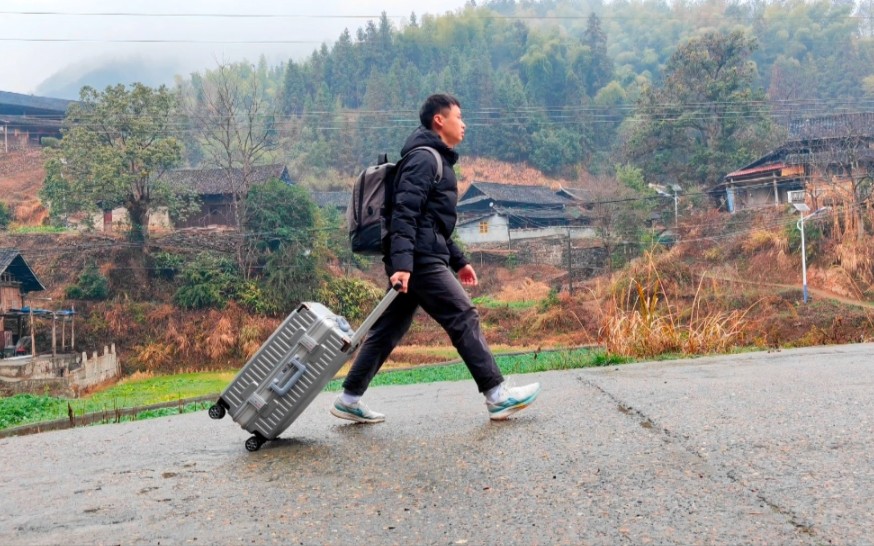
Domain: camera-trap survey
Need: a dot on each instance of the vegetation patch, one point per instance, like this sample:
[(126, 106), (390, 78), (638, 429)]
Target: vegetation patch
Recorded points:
[(137, 392), (23, 409), (489, 302), (509, 365)]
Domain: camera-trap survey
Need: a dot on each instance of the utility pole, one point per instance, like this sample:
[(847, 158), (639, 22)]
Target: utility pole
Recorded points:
[(803, 262), (677, 188), (570, 272)]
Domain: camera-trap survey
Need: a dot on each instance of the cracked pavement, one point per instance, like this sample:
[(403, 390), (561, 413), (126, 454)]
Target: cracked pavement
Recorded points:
[(757, 448)]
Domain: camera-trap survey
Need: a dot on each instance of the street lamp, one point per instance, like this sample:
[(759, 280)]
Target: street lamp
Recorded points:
[(677, 189), (802, 208)]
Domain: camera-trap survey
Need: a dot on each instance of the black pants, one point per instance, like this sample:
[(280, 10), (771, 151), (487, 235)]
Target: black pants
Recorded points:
[(436, 289)]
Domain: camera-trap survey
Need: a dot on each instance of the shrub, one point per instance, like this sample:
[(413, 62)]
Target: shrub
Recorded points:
[(350, 298), (208, 281), (290, 246), (5, 215), (813, 236), (251, 296), (551, 300), (167, 265), (90, 286)]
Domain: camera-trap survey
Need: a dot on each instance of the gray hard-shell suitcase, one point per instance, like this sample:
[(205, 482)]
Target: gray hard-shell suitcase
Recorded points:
[(291, 368)]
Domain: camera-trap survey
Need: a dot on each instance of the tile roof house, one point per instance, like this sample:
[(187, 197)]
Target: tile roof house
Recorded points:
[(16, 280), (493, 212), (14, 271), (216, 188), (27, 119), (338, 200), (821, 156)]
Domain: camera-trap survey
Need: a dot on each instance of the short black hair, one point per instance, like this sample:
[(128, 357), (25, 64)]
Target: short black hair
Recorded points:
[(435, 104)]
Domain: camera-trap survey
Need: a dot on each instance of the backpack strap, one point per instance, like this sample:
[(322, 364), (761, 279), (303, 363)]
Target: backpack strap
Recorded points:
[(437, 157)]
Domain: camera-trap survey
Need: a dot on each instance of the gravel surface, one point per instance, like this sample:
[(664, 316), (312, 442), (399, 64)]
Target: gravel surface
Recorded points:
[(760, 448)]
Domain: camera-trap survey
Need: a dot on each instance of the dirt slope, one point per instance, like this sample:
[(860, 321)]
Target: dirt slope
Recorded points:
[(21, 177)]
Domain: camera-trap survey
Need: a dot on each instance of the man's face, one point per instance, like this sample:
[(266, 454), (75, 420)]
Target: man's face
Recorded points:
[(449, 126)]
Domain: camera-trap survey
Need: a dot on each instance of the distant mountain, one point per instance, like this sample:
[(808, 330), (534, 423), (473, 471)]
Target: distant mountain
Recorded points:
[(66, 83)]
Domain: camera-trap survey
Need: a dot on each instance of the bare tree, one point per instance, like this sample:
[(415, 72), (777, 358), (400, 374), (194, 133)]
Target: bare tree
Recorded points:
[(620, 214), (235, 124), (838, 149)]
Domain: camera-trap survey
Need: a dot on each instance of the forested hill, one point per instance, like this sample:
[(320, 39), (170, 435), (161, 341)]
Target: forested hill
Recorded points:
[(684, 91)]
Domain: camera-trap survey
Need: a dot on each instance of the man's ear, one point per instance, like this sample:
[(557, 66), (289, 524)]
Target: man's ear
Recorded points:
[(438, 121)]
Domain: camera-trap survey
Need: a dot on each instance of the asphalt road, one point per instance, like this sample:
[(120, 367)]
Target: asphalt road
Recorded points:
[(761, 448)]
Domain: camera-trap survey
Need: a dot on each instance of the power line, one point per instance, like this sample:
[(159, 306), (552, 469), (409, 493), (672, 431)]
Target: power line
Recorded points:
[(491, 15), (155, 41), (199, 15)]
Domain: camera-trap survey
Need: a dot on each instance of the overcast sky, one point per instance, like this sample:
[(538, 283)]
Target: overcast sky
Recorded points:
[(29, 56)]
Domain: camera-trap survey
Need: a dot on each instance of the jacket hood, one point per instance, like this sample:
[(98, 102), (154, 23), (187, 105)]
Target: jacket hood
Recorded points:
[(426, 137)]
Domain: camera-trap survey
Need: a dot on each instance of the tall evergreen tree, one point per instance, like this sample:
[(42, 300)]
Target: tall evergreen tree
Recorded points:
[(600, 71)]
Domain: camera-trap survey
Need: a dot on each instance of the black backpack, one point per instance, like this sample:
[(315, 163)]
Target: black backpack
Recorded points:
[(369, 212)]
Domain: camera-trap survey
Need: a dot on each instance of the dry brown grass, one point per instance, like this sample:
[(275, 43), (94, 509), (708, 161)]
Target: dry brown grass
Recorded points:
[(253, 332), (31, 213), (762, 239), (155, 356), (118, 319), (524, 289), (178, 338), (220, 340), (857, 259), (491, 170), (640, 321)]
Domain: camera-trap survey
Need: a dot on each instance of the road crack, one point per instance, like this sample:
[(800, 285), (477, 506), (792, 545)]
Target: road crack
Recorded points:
[(681, 440)]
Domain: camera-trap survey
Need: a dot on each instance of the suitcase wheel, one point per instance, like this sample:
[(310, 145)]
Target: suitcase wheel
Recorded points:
[(216, 411), (254, 443)]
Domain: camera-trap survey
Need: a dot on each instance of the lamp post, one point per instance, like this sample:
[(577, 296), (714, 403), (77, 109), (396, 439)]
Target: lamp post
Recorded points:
[(802, 208), (677, 188)]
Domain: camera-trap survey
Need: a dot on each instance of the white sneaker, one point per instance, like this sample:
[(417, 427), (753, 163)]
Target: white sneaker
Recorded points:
[(357, 412), (511, 400)]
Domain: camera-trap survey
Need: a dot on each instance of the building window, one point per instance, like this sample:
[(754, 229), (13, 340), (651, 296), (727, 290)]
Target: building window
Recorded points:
[(484, 227), (795, 196)]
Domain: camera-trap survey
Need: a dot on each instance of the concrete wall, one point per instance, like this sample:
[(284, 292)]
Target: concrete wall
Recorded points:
[(96, 369), (470, 233), (498, 231), (66, 373), (159, 220)]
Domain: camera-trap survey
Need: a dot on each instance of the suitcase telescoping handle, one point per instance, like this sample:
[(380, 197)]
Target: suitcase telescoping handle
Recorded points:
[(373, 317)]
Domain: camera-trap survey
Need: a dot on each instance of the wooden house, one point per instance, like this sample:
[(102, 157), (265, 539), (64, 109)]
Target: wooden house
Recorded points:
[(826, 161), (26, 119), (337, 200), (490, 212), (16, 280), (216, 189)]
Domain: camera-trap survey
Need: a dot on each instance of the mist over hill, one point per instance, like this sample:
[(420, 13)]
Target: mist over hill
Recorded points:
[(99, 74)]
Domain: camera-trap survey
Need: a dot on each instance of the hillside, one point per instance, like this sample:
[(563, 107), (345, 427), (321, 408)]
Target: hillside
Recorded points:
[(732, 280), (21, 177), (491, 170)]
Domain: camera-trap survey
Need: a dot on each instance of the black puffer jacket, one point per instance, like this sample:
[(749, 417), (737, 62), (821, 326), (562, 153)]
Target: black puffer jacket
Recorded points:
[(424, 211)]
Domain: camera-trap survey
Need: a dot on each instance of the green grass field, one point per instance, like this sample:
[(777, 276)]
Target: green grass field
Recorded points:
[(25, 409)]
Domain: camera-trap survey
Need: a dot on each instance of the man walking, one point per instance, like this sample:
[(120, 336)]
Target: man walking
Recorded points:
[(422, 257)]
